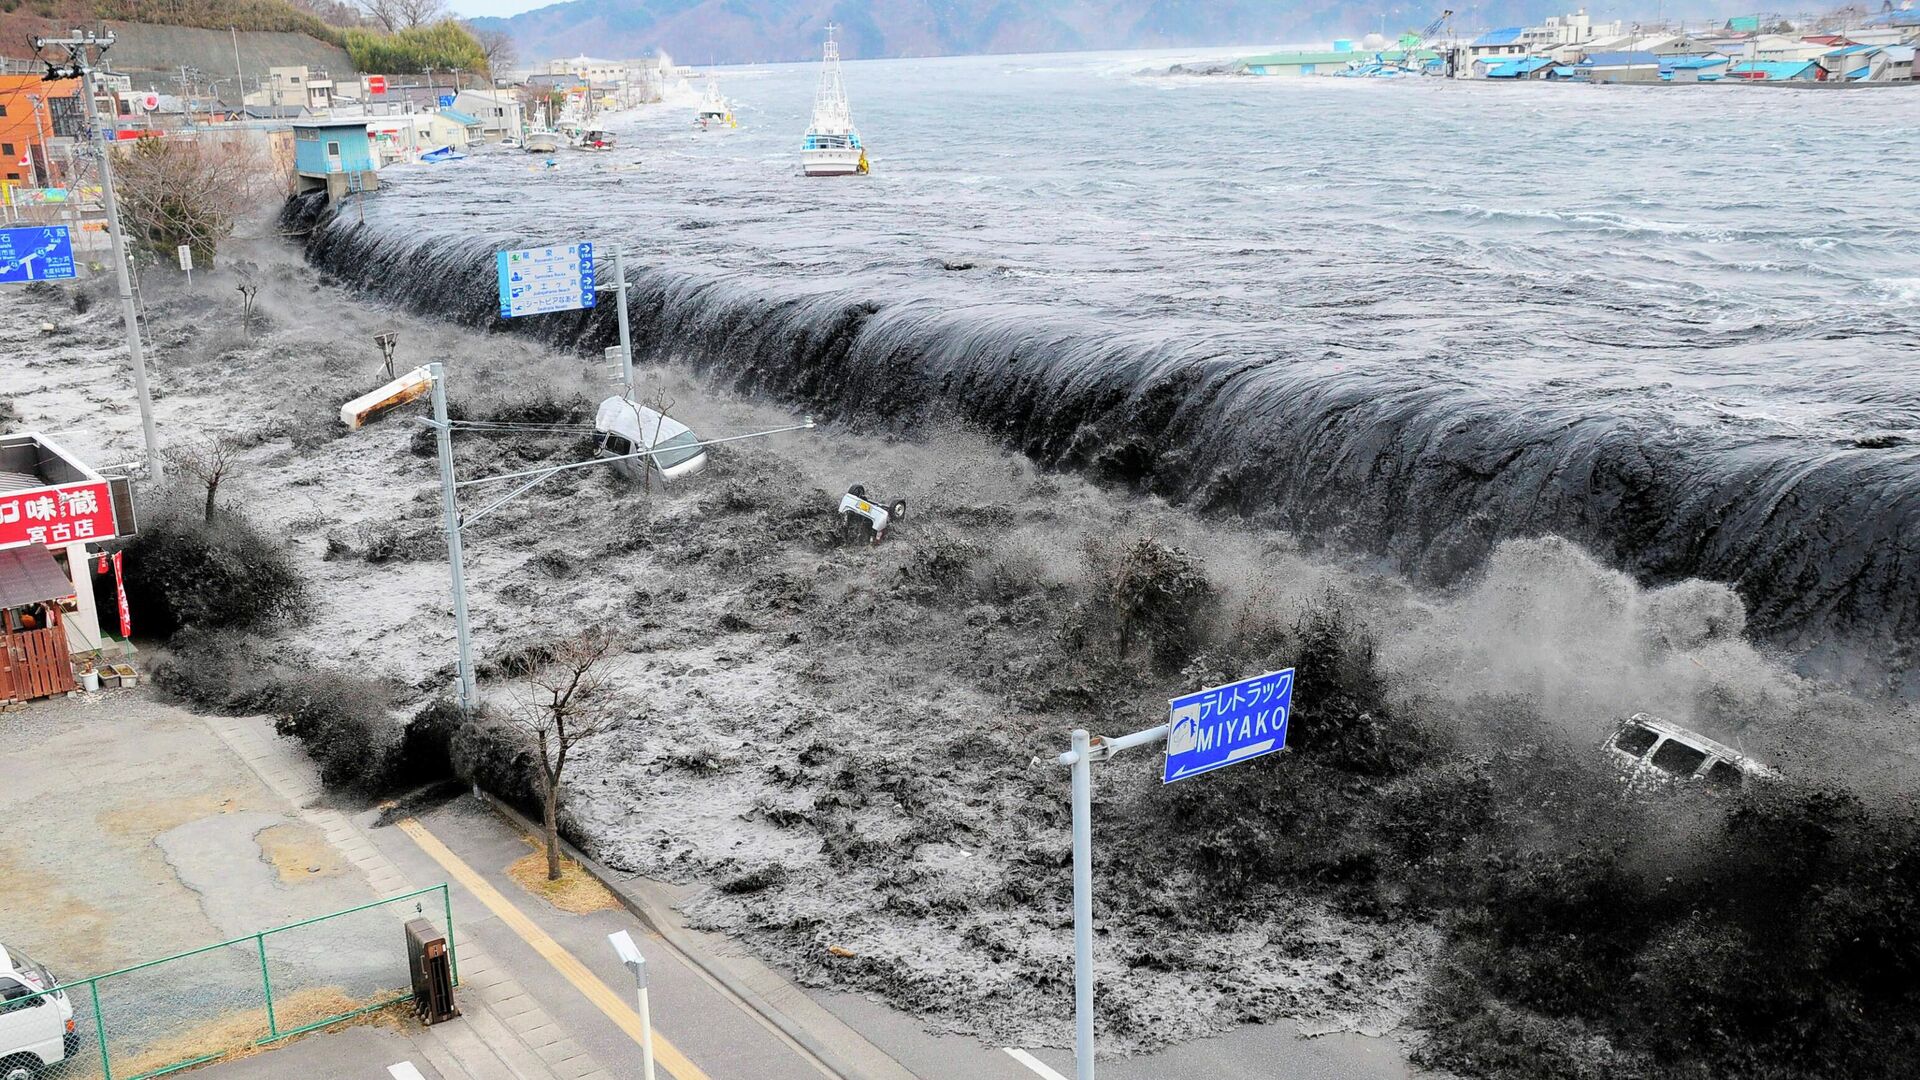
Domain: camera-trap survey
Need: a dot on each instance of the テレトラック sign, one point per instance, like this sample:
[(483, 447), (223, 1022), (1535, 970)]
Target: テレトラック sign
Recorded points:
[(1228, 724)]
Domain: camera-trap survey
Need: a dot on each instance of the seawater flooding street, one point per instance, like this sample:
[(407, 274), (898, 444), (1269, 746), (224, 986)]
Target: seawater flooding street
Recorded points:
[(1379, 557)]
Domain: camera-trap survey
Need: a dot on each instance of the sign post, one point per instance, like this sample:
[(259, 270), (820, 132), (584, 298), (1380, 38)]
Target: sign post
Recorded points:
[(1207, 730), (186, 262)]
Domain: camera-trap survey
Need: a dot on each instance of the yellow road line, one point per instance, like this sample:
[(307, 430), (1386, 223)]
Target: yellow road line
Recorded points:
[(616, 1008)]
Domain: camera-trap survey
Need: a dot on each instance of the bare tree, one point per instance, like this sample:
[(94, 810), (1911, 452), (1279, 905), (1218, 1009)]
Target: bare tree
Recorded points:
[(189, 190), (497, 46), (208, 461), (567, 700), (397, 15)]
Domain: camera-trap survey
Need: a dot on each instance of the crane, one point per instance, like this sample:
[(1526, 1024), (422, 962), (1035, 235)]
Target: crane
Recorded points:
[(1427, 32)]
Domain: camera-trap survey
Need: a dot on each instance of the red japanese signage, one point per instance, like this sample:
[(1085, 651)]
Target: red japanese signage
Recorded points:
[(376, 84), (54, 516), (120, 590)]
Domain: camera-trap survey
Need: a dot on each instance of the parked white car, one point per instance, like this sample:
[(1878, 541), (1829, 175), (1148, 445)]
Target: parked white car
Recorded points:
[(36, 1028), (1651, 749)]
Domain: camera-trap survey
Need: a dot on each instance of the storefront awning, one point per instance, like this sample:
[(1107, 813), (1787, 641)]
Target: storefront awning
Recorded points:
[(29, 575)]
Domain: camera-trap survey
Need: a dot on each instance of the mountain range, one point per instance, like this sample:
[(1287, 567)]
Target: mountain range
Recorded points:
[(748, 31)]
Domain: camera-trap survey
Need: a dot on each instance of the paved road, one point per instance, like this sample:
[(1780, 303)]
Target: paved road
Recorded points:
[(359, 1053)]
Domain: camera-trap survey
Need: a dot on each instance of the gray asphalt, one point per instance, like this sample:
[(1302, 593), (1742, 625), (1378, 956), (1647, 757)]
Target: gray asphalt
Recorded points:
[(352, 1053)]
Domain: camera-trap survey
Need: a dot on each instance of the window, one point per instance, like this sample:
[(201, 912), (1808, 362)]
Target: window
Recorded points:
[(13, 176), (618, 445), (680, 448), (14, 995), (1677, 758), (333, 148), (6, 149), (1724, 774), (1635, 740), (3, 110)]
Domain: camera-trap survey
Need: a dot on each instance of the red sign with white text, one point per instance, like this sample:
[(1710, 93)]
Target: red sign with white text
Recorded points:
[(376, 84), (54, 516)]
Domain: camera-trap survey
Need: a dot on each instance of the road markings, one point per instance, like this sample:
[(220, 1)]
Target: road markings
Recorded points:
[(613, 1005), (1031, 1062)]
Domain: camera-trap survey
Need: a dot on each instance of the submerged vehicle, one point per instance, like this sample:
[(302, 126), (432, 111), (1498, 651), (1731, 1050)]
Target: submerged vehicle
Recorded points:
[(858, 514), (714, 110), (36, 1027), (1649, 748), (832, 146), (622, 429)]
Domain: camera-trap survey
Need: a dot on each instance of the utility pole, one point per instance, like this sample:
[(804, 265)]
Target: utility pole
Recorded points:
[(83, 49), (443, 430), (46, 151), (626, 341)]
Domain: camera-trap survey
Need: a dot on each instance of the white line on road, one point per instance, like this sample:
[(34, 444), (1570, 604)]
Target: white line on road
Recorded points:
[(1039, 1067), (404, 1071)]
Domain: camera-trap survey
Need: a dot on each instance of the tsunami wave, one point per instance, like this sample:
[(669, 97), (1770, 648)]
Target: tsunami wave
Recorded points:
[(1822, 541)]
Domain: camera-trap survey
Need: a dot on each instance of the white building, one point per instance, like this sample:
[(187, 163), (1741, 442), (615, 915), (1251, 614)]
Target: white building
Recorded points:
[(500, 113), (294, 88), (1560, 30), (584, 67)]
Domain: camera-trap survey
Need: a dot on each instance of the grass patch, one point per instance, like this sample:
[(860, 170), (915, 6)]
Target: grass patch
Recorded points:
[(236, 1035), (577, 892)]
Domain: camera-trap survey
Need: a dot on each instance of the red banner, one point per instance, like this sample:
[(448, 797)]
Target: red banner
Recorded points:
[(55, 516), (120, 590)]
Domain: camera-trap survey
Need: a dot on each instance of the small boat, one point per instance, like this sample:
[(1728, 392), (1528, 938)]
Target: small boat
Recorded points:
[(542, 142), (832, 146), (714, 110), (596, 139)]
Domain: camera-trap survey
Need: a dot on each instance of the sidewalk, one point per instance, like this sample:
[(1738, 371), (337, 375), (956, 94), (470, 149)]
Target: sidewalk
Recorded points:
[(504, 1033)]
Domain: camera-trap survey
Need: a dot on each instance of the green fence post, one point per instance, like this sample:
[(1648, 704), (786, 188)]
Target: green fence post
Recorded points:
[(100, 1029), (266, 983), (453, 951)]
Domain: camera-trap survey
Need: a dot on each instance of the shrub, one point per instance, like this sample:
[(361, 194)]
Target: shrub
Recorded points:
[(217, 669), (1156, 593), (182, 571), (493, 754), (343, 722), (426, 744)]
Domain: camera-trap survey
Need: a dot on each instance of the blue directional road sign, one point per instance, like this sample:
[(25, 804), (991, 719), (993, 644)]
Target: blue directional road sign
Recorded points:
[(446, 101), (1228, 724), (42, 253), (539, 280)]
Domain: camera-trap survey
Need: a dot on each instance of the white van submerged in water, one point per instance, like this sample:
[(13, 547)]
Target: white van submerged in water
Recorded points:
[(622, 428), (36, 1028), (1649, 748)]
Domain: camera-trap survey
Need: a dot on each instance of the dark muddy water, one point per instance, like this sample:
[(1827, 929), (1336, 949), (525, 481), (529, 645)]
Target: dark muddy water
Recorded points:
[(1409, 319)]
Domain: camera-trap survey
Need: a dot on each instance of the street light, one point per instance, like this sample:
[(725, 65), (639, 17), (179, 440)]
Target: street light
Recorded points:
[(629, 954)]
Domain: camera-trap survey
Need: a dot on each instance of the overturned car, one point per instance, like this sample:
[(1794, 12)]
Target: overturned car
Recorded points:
[(1650, 749)]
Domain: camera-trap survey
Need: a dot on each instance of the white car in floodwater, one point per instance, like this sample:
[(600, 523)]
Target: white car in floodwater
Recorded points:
[(621, 428), (36, 1028), (1651, 749)]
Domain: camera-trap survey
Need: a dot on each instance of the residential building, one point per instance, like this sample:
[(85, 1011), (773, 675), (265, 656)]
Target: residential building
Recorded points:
[(335, 156), (590, 70), (1694, 69), (1561, 30), (1519, 68), (294, 88), (450, 127), (53, 507), (1506, 41), (28, 122), (500, 113)]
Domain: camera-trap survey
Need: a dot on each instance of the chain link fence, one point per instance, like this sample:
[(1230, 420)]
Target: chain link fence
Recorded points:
[(214, 1002)]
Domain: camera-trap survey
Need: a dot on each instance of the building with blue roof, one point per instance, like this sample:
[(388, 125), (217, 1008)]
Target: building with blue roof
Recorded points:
[(335, 156), (1507, 41), (1901, 16), (1615, 67), (1775, 71), (1526, 67), (1694, 69)]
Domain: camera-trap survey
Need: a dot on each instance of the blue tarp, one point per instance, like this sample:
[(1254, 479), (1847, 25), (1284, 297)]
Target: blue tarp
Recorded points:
[(445, 153)]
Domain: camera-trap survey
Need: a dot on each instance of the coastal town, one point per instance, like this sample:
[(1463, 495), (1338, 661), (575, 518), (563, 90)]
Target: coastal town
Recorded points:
[(1845, 48)]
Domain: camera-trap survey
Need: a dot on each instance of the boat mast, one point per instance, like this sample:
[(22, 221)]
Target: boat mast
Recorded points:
[(830, 101)]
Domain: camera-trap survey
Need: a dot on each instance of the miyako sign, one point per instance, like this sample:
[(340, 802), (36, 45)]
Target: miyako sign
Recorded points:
[(54, 516)]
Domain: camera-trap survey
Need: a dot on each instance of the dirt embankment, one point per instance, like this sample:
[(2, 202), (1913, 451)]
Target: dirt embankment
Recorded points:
[(852, 744)]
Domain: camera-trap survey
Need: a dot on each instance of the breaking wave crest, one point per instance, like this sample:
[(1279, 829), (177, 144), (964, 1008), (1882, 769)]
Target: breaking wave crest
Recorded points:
[(1817, 537)]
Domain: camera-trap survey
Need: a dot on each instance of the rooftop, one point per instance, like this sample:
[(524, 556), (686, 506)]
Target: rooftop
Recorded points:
[(1506, 35)]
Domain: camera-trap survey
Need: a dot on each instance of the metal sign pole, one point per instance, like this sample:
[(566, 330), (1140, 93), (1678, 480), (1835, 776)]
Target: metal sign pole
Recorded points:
[(443, 431), (1082, 906), (626, 342)]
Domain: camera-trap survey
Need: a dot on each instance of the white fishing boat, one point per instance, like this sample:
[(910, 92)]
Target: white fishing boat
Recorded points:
[(542, 142), (832, 147), (715, 111)]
